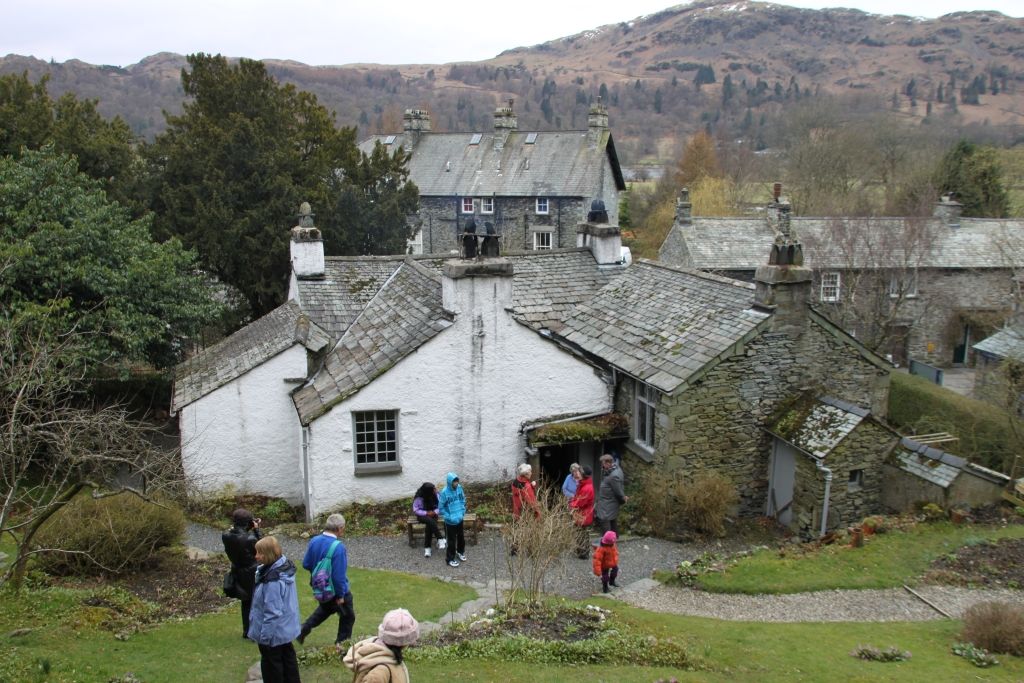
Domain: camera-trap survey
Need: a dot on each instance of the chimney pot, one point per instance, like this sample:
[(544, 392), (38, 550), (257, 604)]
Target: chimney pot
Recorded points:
[(307, 247)]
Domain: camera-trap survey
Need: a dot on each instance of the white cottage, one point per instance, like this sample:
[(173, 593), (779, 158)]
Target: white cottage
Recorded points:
[(380, 373)]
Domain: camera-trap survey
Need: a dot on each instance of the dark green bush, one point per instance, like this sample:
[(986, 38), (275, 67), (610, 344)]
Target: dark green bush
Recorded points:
[(107, 535), (985, 434)]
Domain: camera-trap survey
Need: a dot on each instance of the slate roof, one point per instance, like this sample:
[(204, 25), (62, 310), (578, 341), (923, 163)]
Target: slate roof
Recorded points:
[(559, 164), (247, 348), (349, 283), (740, 243), (939, 467), (1006, 343), (548, 285), (661, 324), (404, 313), (825, 426)]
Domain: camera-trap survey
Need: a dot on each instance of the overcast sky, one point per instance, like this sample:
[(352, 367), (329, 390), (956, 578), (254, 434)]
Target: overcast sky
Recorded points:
[(122, 32)]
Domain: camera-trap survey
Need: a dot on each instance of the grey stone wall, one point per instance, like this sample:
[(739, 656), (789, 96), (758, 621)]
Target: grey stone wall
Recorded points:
[(717, 423), (864, 449)]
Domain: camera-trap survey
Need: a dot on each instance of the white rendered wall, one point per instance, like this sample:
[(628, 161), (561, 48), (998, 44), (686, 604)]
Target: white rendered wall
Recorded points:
[(462, 399), (246, 433)]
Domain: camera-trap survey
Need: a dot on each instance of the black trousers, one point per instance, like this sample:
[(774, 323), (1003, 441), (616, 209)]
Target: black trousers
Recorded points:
[(278, 664), (346, 617), (607, 525), (456, 540), (246, 580), (431, 532)]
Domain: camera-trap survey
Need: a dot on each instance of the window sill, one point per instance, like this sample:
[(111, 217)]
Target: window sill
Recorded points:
[(641, 451), (374, 470)]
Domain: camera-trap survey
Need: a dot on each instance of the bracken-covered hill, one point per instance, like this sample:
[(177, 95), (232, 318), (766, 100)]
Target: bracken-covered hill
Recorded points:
[(663, 75)]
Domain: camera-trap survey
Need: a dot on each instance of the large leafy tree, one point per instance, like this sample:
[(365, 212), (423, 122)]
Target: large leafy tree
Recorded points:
[(30, 119), (70, 252), (231, 171), (974, 177)]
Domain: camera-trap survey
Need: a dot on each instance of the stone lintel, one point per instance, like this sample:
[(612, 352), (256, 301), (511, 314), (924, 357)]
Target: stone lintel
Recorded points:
[(487, 268)]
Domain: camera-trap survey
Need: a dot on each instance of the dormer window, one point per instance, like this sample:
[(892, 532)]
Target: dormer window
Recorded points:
[(467, 205), (542, 206)]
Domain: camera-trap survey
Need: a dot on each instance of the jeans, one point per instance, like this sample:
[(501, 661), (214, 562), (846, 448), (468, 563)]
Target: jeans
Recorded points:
[(431, 531), (278, 664), (346, 618), (456, 540)]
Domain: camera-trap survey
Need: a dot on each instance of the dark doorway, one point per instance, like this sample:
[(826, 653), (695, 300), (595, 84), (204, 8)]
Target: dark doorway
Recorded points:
[(960, 350)]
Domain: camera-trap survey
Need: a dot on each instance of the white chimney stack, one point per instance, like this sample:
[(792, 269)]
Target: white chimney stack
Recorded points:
[(307, 247)]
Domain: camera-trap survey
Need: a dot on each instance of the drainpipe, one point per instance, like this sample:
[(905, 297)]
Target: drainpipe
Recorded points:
[(828, 492), (307, 494)]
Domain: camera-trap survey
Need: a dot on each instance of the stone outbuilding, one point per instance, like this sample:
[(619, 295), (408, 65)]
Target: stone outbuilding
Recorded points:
[(922, 288), (999, 376), (534, 188), (918, 473)]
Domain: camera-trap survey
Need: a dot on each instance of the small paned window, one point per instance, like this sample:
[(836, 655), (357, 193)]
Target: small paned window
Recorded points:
[(467, 205), (376, 439), (542, 240), (487, 205), (904, 283), (830, 287), (542, 205), (643, 416)]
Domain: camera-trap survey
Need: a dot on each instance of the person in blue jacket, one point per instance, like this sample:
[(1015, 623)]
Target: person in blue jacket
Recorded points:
[(274, 619), (341, 604), (451, 504)]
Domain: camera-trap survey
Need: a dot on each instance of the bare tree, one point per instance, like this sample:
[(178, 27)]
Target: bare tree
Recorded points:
[(55, 444), (542, 542)]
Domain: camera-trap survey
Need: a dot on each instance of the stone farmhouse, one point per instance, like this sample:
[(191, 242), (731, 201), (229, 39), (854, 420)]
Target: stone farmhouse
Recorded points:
[(380, 373), (922, 288), (532, 187)]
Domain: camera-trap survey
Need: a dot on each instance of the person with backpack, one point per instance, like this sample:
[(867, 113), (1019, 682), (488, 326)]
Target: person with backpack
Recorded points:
[(274, 621), (452, 506), (240, 546), (379, 660), (327, 563)]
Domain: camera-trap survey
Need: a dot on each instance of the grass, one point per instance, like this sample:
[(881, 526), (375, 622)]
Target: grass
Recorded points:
[(67, 639), (887, 560)]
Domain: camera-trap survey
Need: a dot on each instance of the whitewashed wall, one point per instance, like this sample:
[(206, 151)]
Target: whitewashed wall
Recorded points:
[(247, 433), (462, 398)]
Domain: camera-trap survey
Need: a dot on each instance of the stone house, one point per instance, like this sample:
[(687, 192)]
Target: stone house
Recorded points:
[(384, 372), (533, 187), (922, 288), (999, 378)]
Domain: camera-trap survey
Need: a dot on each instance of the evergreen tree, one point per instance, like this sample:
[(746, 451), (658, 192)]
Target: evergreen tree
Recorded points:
[(973, 176)]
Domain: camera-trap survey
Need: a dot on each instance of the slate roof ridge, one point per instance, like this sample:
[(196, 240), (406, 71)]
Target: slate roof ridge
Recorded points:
[(368, 257), (362, 312), (844, 336), (703, 274), (421, 269)]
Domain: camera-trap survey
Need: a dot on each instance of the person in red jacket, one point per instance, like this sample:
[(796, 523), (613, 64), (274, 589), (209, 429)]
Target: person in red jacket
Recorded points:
[(606, 561), (524, 492), (582, 505)]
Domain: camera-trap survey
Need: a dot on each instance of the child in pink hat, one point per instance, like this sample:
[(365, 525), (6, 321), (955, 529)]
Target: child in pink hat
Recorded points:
[(606, 561)]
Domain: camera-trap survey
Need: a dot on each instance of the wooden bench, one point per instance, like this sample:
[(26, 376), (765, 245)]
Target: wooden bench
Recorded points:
[(416, 528)]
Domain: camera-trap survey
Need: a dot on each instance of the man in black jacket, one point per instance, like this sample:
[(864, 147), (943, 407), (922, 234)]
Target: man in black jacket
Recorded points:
[(240, 546)]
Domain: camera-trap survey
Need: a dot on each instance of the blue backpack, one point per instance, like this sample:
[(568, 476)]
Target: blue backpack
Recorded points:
[(320, 578)]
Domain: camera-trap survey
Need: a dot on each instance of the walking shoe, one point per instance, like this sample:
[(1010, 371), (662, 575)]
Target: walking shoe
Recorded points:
[(461, 556), (453, 563), (426, 552), (441, 544), (604, 588)]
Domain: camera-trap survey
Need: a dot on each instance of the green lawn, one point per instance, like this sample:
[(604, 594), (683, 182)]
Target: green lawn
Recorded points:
[(887, 560), (208, 648)]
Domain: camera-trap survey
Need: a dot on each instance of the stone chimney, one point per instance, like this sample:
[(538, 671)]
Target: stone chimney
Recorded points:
[(684, 208), (783, 286), (480, 288), (307, 247), (597, 121), (415, 122), (604, 240), (948, 210), (504, 123)]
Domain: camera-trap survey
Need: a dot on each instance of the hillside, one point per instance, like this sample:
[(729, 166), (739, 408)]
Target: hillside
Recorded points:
[(662, 75)]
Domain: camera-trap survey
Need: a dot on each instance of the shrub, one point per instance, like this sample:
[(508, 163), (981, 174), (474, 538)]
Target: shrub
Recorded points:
[(933, 512), (122, 533), (995, 626), (874, 654), (977, 656), (671, 503)]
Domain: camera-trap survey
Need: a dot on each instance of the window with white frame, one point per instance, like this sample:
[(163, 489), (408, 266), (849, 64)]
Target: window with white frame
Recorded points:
[(542, 205), (643, 416), (467, 205), (415, 245), (376, 440), (487, 205), (830, 287), (903, 283), (542, 240)]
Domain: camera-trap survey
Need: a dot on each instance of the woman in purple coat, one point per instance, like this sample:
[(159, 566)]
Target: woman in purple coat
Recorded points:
[(424, 506)]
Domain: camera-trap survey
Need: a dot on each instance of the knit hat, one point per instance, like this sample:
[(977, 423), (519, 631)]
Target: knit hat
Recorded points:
[(609, 537), (587, 472), (398, 628)]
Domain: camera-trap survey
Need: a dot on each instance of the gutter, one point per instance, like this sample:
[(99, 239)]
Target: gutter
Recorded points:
[(828, 493), (307, 494)]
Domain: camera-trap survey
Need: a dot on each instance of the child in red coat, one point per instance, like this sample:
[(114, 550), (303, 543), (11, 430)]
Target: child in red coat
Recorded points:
[(606, 561)]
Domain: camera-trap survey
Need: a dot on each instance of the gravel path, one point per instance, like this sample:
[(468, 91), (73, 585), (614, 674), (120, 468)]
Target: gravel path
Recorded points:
[(485, 562), (638, 558)]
